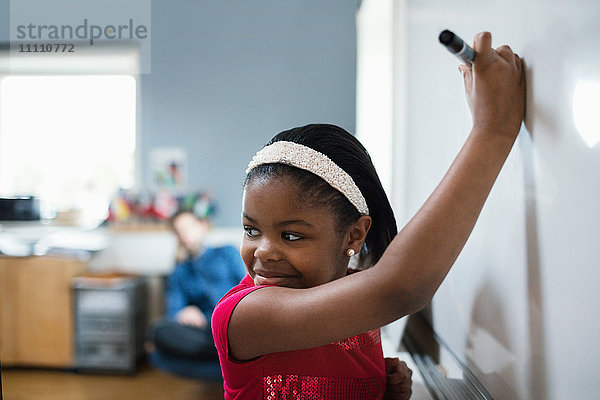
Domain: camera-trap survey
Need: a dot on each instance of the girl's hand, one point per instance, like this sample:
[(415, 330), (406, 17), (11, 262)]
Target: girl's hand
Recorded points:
[(495, 88), (398, 380)]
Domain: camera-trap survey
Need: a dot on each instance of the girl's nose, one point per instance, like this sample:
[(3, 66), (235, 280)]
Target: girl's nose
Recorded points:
[(267, 250)]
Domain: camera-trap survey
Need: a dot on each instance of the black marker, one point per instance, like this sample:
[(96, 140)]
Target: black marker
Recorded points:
[(457, 46)]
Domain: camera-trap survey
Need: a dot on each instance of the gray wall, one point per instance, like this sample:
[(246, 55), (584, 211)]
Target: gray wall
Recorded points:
[(228, 75)]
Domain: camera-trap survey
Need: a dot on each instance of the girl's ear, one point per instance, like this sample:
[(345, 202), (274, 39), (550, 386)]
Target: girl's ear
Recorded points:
[(358, 233)]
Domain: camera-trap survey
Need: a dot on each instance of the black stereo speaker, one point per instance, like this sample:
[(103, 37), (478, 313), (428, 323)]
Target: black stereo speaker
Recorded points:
[(19, 208)]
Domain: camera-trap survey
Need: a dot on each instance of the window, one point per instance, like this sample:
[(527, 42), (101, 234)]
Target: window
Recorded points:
[(68, 139)]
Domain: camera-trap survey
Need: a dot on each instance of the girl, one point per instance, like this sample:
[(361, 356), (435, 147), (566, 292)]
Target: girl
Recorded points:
[(299, 325)]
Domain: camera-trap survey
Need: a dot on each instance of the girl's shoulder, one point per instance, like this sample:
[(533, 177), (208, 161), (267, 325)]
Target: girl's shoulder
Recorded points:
[(238, 292), (224, 309)]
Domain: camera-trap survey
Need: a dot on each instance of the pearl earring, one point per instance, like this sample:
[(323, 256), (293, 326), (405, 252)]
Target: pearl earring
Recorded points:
[(350, 252)]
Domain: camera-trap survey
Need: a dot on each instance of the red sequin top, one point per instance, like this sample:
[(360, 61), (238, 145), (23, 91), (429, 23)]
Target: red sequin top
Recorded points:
[(350, 369)]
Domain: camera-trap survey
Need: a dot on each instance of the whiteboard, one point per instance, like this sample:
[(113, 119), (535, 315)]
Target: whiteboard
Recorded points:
[(521, 306)]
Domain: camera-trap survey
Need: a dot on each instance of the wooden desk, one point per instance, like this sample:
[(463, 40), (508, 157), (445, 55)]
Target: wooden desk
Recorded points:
[(36, 310)]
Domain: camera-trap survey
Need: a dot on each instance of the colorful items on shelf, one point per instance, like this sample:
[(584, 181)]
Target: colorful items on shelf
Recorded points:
[(128, 206)]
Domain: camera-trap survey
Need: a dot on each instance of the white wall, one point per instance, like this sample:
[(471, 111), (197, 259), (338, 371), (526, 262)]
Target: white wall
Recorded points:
[(374, 84), (379, 105), (521, 305)]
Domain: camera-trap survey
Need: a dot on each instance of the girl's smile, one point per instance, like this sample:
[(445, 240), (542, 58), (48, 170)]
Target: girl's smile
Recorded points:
[(265, 276), (287, 240)]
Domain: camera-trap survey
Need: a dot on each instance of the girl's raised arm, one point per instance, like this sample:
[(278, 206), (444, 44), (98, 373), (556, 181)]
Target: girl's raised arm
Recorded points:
[(433, 239), (406, 277)]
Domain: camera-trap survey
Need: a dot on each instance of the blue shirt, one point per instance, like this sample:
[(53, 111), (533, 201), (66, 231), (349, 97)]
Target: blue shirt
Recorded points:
[(203, 280)]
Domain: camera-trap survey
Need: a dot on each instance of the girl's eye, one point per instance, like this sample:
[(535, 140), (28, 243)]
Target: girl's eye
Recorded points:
[(290, 236), (251, 232)]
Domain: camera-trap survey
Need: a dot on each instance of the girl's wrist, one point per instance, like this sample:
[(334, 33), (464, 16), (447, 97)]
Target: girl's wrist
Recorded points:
[(493, 146), (506, 136)]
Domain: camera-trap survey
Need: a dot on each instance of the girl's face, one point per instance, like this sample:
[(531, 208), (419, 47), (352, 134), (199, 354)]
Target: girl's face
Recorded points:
[(287, 241)]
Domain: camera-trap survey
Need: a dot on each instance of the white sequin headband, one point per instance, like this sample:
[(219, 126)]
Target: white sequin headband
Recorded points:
[(303, 157)]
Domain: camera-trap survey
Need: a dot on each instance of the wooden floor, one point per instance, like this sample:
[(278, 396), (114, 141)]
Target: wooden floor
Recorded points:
[(148, 383)]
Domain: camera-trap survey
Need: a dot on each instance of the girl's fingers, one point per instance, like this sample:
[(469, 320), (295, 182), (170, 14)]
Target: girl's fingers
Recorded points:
[(506, 53), (467, 74), (520, 65), (482, 44), (463, 68), (390, 363), (406, 371)]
